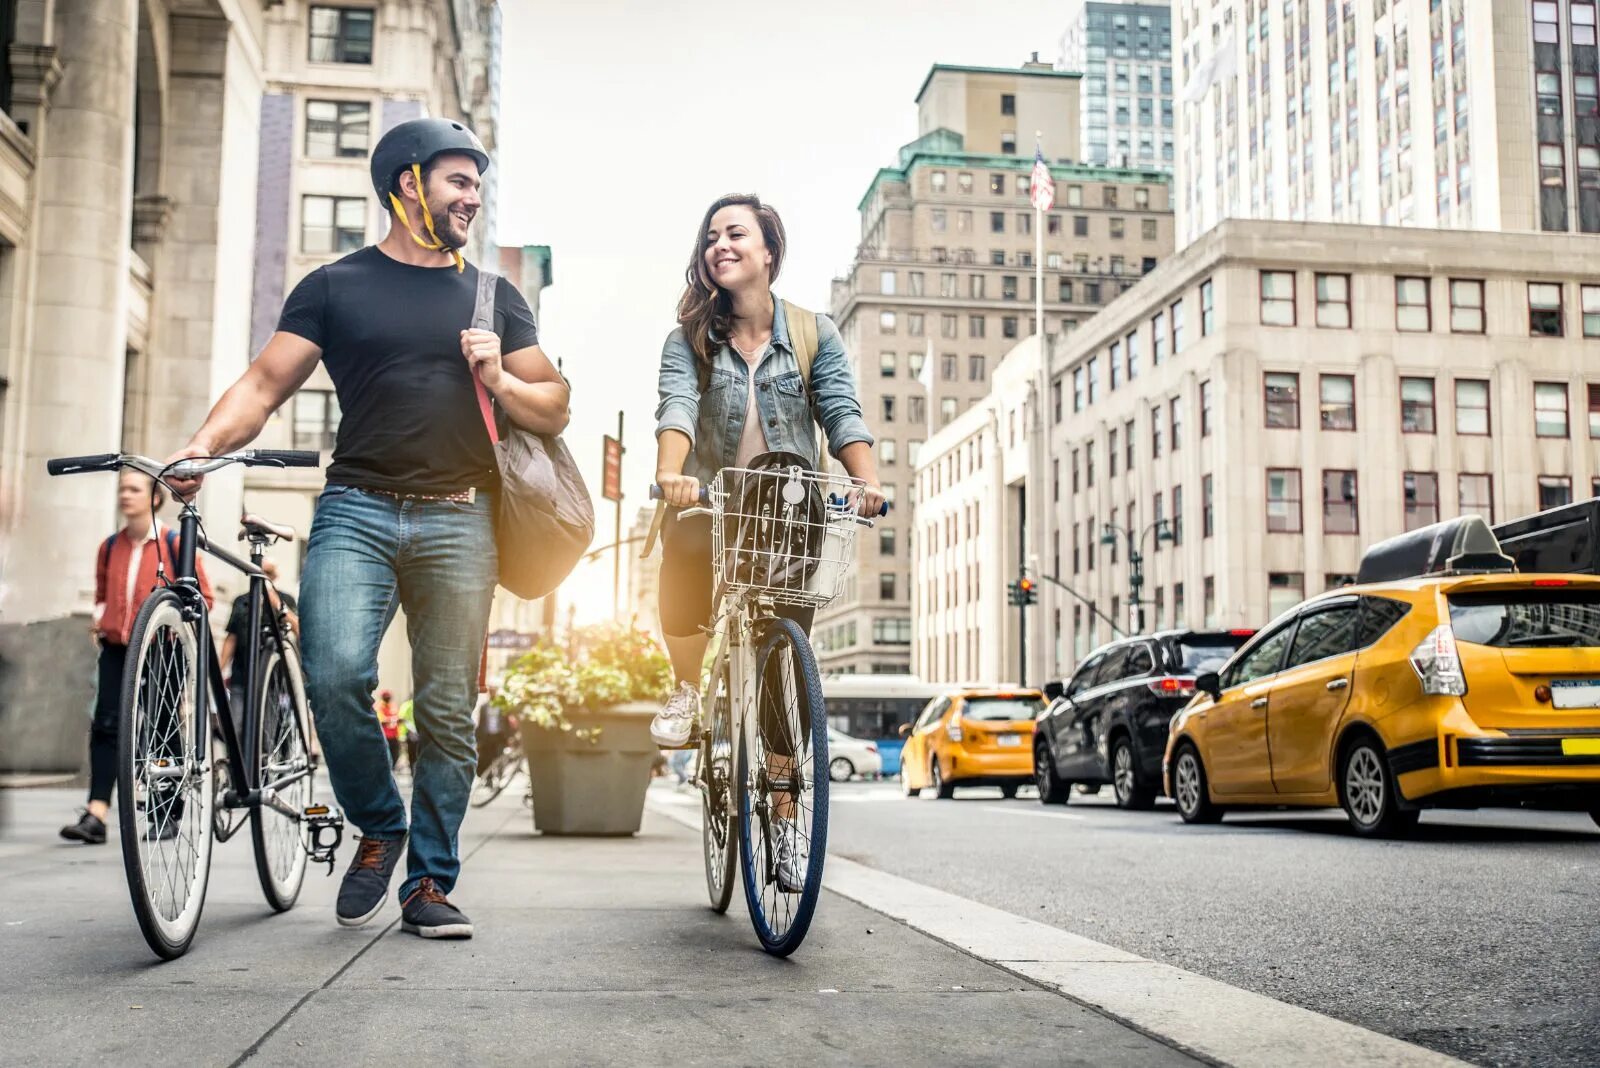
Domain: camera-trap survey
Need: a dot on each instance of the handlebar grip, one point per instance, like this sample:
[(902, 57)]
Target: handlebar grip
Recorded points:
[(883, 509), (657, 495), (72, 465), (287, 457)]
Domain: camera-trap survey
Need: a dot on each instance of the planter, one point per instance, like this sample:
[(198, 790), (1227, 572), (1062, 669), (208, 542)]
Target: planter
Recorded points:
[(592, 786)]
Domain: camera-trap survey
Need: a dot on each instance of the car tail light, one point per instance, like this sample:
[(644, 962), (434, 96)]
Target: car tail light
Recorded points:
[(1438, 664), (953, 730), (1172, 686), (872, 747), (1243, 632), (1552, 582)]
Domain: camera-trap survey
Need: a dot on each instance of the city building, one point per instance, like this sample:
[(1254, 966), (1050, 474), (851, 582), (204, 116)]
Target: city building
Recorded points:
[(1123, 49), (1470, 114), (1278, 396), (641, 596), (167, 171), (943, 285), (336, 80)]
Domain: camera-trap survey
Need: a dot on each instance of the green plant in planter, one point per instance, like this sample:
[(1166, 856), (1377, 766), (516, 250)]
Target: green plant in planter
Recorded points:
[(615, 664)]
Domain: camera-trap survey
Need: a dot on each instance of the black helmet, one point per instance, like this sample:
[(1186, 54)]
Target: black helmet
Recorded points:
[(418, 141)]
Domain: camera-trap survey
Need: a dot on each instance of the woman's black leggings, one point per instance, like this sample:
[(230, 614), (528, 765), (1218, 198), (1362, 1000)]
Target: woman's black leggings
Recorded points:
[(686, 592), (107, 718)]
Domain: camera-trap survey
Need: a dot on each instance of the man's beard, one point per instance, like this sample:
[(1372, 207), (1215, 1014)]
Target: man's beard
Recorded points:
[(454, 233)]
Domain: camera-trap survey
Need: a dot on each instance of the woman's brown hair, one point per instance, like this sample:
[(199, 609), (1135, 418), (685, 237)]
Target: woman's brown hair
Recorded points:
[(704, 311)]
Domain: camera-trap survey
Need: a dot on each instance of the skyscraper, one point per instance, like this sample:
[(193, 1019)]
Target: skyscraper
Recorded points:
[(1123, 49)]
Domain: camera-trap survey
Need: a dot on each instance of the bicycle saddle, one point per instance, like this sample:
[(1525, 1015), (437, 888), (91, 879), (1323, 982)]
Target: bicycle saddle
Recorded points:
[(254, 527)]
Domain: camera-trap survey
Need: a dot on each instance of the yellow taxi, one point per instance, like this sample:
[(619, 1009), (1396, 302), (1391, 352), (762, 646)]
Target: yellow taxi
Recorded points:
[(1470, 684), (973, 737)]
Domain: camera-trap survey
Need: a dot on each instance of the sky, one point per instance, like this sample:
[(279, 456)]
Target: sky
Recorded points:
[(622, 120)]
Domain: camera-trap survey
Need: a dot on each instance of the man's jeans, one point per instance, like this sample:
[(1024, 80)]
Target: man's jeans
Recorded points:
[(368, 555)]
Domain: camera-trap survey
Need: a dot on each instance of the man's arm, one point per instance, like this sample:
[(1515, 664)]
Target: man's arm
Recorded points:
[(240, 413), (525, 383)]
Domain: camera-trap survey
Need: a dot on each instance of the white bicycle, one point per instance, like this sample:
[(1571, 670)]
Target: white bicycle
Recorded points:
[(779, 537)]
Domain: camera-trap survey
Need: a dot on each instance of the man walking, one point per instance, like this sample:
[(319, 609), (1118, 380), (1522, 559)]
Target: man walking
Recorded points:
[(124, 575), (406, 520)]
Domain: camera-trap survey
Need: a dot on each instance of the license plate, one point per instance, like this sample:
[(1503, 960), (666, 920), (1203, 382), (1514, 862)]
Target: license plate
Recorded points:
[(1009, 739), (1575, 693), (1580, 747)]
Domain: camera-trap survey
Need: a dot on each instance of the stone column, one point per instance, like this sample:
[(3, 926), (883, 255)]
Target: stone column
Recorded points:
[(72, 396)]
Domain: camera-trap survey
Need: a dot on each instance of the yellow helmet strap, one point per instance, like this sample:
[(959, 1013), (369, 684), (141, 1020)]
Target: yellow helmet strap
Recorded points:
[(436, 245)]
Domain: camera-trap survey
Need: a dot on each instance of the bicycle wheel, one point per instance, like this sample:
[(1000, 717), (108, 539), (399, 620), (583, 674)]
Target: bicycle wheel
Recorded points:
[(718, 817), (783, 789), (500, 774), (281, 751), (165, 787)]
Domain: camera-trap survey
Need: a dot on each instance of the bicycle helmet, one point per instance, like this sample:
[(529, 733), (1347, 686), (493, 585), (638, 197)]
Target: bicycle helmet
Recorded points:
[(410, 146)]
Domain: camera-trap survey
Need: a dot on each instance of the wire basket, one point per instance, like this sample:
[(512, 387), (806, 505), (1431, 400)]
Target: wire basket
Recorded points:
[(786, 532)]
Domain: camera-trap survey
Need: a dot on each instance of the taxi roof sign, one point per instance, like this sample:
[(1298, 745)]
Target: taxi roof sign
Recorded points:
[(1460, 546)]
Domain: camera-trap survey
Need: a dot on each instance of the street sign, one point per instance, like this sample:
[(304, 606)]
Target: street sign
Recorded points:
[(611, 484)]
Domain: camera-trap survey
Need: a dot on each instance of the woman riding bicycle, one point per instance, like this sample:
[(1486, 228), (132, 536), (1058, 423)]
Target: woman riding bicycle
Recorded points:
[(732, 390)]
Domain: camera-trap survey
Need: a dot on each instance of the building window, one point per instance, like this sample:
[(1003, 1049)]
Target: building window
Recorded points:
[(1594, 410), (1477, 495), (1422, 498), (1111, 452), (1155, 433), (1094, 378), (1544, 309), (1412, 313), (1118, 227), (1472, 406), (1333, 301), (1177, 326), (1088, 464), (888, 364), (337, 129), (1282, 399), (917, 409), (1175, 413), (1008, 142), (964, 182), (914, 325), (1158, 338), (975, 326), (341, 35), (1115, 360), (1550, 410), (1283, 500), (1080, 226), (316, 419), (1285, 589), (886, 586), (886, 283), (886, 452), (1131, 345), (331, 225), (1591, 311), (1177, 515), (947, 410), (1553, 187), (1208, 601), (1416, 405), (1338, 402), (1008, 104), (1208, 322), (1277, 298), (887, 322), (947, 366), (1205, 408), (1466, 306), (997, 184), (975, 369), (1207, 507), (997, 222), (1008, 326), (937, 181), (1554, 491), (1339, 502), (888, 409)]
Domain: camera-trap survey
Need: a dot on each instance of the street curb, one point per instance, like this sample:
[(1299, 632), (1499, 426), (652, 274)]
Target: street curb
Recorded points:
[(1210, 1019)]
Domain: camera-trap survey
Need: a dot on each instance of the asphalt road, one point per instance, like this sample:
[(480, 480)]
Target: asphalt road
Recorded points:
[(1478, 937)]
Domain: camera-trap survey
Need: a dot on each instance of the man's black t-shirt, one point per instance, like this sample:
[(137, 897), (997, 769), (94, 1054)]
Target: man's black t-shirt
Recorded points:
[(390, 335)]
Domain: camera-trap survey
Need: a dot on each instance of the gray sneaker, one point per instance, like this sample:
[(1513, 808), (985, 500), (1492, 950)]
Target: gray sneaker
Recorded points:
[(678, 719), (366, 881), (791, 856), (427, 913)]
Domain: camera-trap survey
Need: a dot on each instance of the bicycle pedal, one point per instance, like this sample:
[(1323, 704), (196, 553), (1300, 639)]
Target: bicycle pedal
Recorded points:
[(323, 822)]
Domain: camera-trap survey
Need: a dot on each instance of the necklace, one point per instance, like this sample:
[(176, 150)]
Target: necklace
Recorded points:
[(749, 357)]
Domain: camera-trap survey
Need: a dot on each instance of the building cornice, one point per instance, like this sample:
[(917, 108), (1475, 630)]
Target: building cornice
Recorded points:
[(1070, 172), (1011, 72)]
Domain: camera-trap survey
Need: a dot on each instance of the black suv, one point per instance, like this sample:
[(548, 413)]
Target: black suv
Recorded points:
[(1108, 723)]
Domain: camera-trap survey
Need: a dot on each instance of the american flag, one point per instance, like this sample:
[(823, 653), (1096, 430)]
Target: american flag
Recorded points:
[(1043, 189)]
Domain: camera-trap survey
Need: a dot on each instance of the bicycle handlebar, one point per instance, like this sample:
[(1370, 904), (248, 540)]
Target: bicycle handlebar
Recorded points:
[(705, 499), (72, 465), (111, 461), (287, 457)]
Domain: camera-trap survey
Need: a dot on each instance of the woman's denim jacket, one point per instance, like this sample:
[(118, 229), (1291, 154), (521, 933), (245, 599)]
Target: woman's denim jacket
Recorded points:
[(714, 419)]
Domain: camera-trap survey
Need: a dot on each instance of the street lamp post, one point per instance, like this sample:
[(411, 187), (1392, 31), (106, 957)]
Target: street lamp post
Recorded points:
[(1108, 536)]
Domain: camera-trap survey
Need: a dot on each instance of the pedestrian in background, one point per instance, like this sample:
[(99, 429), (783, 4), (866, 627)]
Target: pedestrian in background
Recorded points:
[(389, 718), (238, 623), (408, 733), (124, 574)]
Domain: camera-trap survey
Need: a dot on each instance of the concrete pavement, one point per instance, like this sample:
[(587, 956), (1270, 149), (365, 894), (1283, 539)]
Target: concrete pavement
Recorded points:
[(589, 951)]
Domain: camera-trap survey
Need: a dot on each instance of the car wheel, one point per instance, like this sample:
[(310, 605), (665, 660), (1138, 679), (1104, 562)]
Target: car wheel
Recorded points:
[(943, 790), (1131, 793), (905, 783), (1367, 791), (840, 769), (1052, 791), (1190, 789)]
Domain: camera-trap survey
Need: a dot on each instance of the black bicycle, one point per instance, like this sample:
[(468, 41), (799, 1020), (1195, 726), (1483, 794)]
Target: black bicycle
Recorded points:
[(175, 794)]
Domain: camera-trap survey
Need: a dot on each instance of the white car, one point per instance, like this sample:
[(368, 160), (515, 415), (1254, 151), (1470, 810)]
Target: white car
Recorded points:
[(849, 757)]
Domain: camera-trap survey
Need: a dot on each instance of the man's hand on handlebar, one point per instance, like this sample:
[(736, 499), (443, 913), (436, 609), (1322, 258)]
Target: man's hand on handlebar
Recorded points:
[(186, 488), (680, 491)]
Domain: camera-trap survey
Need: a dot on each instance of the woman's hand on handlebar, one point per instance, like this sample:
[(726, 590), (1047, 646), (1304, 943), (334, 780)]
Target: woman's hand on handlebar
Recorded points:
[(870, 501), (680, 491)]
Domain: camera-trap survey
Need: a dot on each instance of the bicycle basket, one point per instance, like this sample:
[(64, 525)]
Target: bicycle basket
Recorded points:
[(783, 529)]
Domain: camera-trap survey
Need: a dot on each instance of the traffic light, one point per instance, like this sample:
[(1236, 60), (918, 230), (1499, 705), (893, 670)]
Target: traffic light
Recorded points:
[(1022, 592)]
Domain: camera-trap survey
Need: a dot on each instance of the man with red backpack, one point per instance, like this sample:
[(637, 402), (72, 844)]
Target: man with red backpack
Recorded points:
[(125, 574)]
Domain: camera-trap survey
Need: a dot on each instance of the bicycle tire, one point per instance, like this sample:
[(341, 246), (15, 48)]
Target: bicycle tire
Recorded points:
[(718, 816), (163, 670), (281, 746), (781, 919), (501, 773)]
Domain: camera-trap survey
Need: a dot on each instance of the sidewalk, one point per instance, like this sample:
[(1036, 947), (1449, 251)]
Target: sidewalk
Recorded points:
[(589, 951)]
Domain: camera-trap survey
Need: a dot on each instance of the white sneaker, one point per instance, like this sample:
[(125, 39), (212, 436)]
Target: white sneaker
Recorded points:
[(791, 856), (678, 719)]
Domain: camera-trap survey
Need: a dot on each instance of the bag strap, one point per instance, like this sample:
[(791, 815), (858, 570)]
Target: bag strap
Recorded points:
[(803, 338), (483, 319)]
